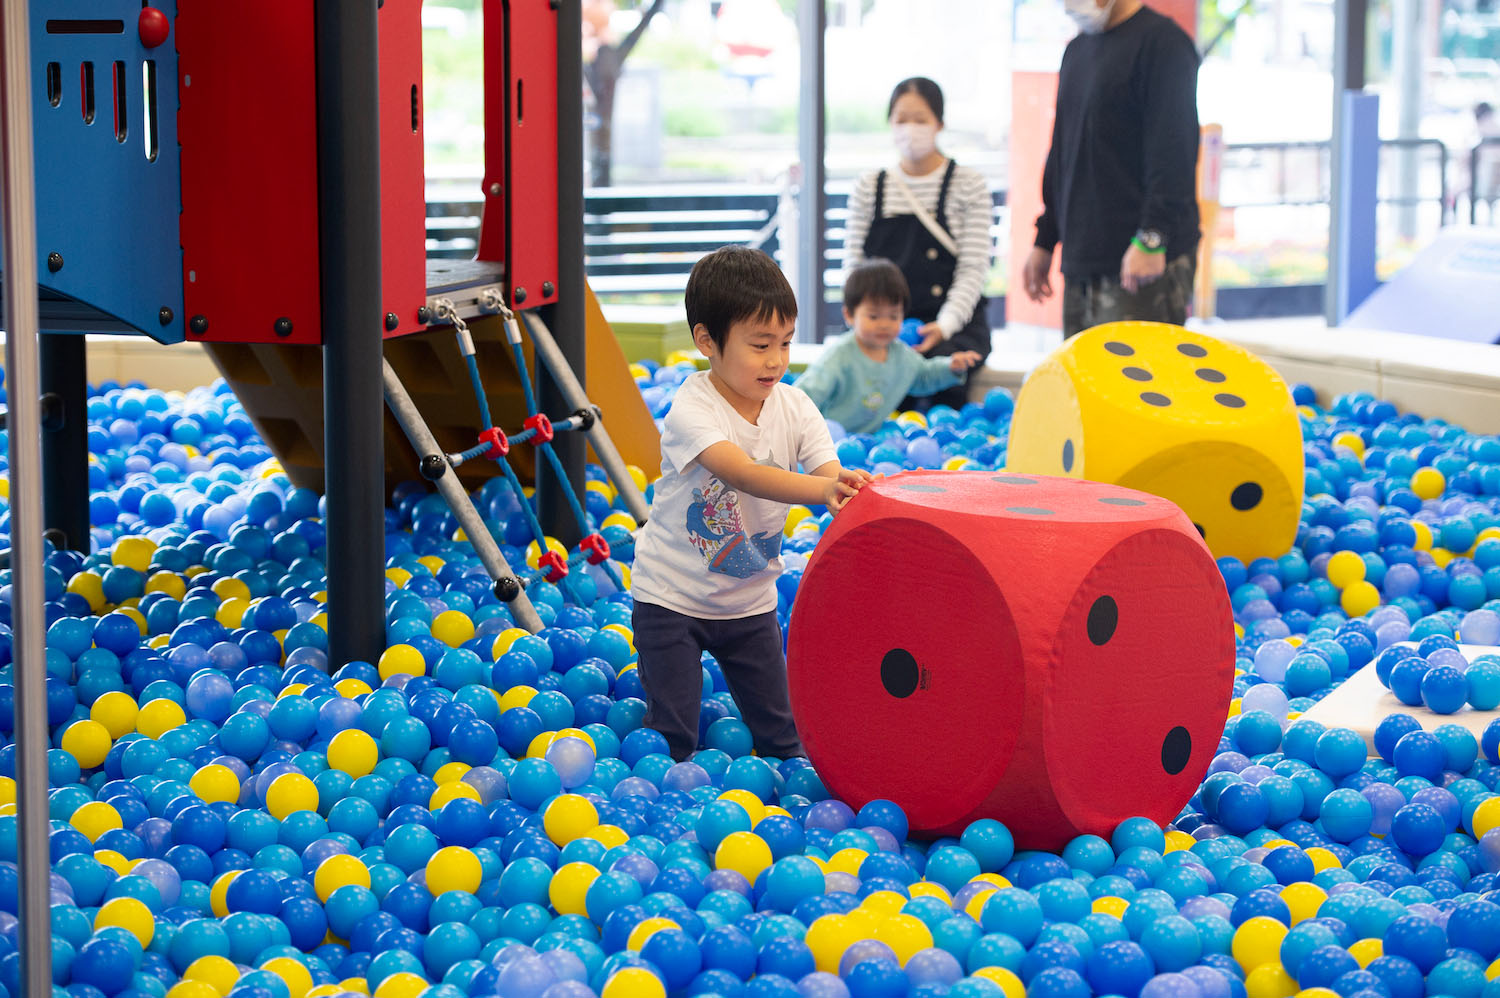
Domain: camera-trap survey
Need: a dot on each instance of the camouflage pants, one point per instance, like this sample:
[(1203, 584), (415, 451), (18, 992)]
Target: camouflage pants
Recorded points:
[(1095, 300)]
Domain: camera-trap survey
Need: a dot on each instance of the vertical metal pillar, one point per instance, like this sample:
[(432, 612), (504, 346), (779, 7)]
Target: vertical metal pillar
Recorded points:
[(65, 440), (566, 316), (1349, 18), (348, 75), (812, 24), (23, 381)]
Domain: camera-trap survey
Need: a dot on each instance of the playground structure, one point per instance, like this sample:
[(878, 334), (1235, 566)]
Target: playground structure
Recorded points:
[(299, 205)]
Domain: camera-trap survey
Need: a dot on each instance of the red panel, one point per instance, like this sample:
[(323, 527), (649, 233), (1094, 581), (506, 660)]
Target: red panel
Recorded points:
[(403, 209), (520, 152), (248, 130)]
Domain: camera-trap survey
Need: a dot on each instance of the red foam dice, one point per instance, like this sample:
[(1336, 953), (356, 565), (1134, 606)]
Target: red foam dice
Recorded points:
[(1054, 653)]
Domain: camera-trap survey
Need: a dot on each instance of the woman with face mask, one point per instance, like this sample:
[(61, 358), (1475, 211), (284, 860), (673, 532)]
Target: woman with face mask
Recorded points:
[(932, 217)]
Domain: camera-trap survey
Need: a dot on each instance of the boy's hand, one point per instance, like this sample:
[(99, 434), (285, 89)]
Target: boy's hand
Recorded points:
[(963, 360), (841, 489)]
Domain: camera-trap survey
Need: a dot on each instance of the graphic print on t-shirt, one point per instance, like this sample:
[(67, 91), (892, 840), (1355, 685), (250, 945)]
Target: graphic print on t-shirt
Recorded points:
[(717, 531)]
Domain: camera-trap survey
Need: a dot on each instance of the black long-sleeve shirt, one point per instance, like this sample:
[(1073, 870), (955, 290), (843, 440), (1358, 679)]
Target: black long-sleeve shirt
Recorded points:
[(1124, 145)]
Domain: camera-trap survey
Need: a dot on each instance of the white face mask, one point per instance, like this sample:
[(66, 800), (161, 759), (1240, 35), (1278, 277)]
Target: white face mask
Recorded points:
[(915, 142), (1088, 15)]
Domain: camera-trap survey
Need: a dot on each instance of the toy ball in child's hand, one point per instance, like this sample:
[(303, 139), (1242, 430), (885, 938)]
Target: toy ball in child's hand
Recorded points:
[(911, 332)]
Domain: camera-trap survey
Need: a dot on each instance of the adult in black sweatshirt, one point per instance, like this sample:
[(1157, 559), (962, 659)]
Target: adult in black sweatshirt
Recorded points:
[(1119, 190)]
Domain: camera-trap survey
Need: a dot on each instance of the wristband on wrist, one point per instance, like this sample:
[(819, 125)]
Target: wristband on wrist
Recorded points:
[(1136, 242)]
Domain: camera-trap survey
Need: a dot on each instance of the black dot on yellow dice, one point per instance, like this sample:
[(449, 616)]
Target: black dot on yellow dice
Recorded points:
[(1119, 349), (1210, 375), (1229, 400), (1191, 350), (1246, 496), (1156, 399), (1137, 373)]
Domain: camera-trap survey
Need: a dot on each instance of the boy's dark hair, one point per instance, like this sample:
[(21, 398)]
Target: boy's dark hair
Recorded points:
[(1483, 110), (924, 88), (735, 283), (876, 279)]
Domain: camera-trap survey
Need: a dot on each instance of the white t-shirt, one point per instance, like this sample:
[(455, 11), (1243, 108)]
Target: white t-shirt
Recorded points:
[(708, 551)]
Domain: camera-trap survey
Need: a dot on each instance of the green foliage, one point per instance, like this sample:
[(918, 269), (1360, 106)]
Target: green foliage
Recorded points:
[(695, 121)]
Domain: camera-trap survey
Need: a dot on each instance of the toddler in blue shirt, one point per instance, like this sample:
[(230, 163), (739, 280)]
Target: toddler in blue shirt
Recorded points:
[(866, 372)]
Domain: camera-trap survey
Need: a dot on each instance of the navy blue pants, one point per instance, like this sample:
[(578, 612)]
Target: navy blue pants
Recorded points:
[(748, 650)]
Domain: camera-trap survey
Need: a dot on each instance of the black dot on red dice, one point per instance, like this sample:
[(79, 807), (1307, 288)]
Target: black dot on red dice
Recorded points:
[(924, 488), (1155, 398), (1191, 350), (1029, 510), (1210, 375), (1229, 401), (1104, 616), (1012, 480), (1067, 455), (1122, 501), (1136, 373), (899, 673), (1201, 532), (1246, 495), (1176, 749), (1119, 349)]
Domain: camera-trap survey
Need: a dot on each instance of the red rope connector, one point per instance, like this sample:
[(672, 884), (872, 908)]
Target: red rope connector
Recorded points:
[(597, 548), (554, 567), (499, 445), (541, 426)]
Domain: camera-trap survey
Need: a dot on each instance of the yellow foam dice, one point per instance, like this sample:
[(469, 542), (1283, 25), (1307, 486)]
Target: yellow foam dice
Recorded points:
[(1172, 412)]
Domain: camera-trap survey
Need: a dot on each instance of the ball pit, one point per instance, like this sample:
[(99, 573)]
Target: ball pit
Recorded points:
[(480, 812)]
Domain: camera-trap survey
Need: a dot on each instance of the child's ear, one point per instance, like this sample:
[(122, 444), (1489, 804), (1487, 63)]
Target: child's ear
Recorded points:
[(703, 340), (848, 317)]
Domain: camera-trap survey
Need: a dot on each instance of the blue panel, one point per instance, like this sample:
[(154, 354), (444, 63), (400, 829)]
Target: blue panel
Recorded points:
[(1451, 289), (1355, 187), (109, 211)]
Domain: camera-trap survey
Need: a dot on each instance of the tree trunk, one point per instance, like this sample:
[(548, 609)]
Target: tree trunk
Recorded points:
[(602, 75)]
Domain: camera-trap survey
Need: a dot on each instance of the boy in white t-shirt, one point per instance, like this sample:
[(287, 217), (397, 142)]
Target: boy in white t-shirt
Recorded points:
[(706, 562)]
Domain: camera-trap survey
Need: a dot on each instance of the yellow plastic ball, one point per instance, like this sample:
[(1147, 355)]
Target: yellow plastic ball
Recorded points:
[(581, 735), (1424, 536), (847, 861), (90, 586), (1005, 978), (974, 908), (1485, 817), (568, 817), (1178, 840), (167, 582), (402, 984), (1493, 970), (907, 935), (88, 742), (95, 818), (884, 902), (218, 893), (633, 982), (298, 979), (1318, 993), (290, 793), (350, 688), (534, 553), (1303, 900), (354, 752), (399, 576), (828, 937), (1270, 980), (453, 868), (928, 889), (1323, 859), (506, 638), (540, 744), (619, 518), (8, 791), (754, 808), (452, 628), (453, 790), (113, 860), (130, 914), (231, 612), (192, 989), (609, 836), (218, 972), (1258, 941), (214, 783), (743, 852), (1359, 598), (401, 659), (129, 610), (159, 716), (449, 772), (1351, 441), (568, 886), (339, 870), (231, 588), (516, 696), (1366, 951), (133, 552), (645, 929), (794, 516), (637, 476), (1108, 904), (1428, 483), (1345, 568)]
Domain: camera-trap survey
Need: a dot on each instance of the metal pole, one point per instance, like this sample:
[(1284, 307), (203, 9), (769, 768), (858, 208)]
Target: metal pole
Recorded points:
[(576, 398), (448, 485), (65, 443), (567, 314), (1348, 74), (812, 202), (23, 380), (348, 76), (1406, 72)]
